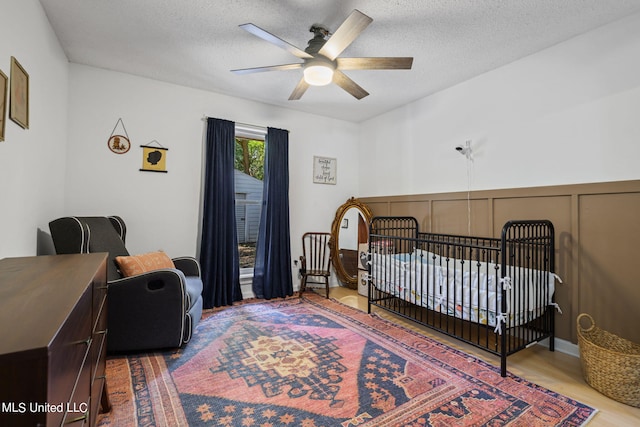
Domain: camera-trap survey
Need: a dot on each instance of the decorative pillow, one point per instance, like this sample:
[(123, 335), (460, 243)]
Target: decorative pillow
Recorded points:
[(138, 264)]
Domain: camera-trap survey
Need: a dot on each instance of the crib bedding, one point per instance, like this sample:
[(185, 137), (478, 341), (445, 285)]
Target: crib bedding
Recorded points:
[(461, 277), (466, 289)]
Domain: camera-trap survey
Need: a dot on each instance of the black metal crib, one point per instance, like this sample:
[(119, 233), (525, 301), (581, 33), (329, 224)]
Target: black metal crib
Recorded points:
[(493, 293)]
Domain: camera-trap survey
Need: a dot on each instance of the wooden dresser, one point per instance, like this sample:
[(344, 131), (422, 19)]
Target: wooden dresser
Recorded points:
[(53, 321)]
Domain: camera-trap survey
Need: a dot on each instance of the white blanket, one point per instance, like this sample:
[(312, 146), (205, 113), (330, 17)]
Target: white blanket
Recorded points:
[(468, 290)]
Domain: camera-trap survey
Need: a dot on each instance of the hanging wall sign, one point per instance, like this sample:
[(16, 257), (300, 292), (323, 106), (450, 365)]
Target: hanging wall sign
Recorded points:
[(154, 158), (324, 170), (119, 142)]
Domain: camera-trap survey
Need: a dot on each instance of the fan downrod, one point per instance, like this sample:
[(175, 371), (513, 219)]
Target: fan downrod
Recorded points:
[(321, 34)]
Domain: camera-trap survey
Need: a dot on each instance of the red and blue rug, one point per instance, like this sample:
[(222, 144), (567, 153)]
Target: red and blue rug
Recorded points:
[(314, 362)]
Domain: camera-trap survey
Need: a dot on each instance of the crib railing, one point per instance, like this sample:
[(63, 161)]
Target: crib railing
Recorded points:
[(492, 293)]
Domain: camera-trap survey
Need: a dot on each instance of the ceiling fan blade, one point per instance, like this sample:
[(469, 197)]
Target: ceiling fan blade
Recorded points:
[(267, 36), (299, 90), (349, 85), (393, 63), (351, 28), (268, 68)]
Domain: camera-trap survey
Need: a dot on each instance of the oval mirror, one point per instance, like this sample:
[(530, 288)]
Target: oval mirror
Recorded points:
[(349, 229)]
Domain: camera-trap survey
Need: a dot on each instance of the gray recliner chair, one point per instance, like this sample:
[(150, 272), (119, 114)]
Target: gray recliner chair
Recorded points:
[(154, 310)]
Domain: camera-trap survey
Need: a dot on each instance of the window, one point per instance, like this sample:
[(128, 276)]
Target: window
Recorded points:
[(249, 173)]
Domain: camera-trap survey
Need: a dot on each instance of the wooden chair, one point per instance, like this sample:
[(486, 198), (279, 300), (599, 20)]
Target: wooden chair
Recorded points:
[(315, 260)]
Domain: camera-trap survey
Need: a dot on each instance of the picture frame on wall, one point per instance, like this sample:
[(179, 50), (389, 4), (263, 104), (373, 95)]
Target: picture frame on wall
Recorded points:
[(4, 88), (19, 95), (324, 170), (154, 158)]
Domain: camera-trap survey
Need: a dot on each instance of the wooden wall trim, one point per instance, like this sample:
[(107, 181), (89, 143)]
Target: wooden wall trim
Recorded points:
[(523, 192), (575, 255), (597, 235)]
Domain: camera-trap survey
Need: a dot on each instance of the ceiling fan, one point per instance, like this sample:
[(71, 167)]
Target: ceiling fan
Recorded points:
[(321, 64)]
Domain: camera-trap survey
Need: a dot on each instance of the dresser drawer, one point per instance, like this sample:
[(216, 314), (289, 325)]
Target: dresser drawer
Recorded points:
[(77, 408), (99, 294), (98, 350), (69, 360), (99, 344)]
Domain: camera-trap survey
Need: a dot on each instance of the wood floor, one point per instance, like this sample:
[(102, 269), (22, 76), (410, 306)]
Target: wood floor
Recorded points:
[(556, 371)]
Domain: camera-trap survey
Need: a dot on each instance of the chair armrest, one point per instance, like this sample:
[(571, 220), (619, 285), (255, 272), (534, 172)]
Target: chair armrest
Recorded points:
[(147, 311), (188, 265)]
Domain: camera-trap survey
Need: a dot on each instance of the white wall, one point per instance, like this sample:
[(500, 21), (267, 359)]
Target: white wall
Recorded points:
[(566, 115), (32, 161), (161, 210)]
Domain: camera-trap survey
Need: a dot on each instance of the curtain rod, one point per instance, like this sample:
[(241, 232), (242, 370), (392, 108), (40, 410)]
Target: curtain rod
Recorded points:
[(248, 126)]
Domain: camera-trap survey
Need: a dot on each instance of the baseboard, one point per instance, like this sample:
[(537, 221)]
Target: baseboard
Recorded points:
[(247, 288), (563, 346)]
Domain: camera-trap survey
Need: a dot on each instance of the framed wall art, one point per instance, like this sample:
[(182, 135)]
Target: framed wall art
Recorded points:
[(119, 143), (19, 95), (4, 87), (154, 158), (324, 170)]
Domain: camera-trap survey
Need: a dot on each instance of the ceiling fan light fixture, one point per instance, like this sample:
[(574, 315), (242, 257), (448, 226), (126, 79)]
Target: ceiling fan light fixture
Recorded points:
[(322, 63), (318, 73)]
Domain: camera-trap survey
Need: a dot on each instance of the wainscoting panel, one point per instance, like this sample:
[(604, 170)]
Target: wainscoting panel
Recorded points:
[(609, 230), (597, 240), (406, 208)]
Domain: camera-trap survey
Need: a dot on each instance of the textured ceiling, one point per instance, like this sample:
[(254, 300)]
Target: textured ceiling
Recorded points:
[(196, 43)]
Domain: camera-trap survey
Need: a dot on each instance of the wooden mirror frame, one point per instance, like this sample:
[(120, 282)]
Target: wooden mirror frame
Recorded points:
[(349, 282)]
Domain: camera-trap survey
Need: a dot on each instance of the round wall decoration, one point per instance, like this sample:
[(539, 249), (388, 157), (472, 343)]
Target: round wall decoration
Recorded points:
[(119, 144)]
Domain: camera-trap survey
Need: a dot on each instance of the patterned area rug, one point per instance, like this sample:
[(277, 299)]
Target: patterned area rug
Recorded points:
[(315, 362)]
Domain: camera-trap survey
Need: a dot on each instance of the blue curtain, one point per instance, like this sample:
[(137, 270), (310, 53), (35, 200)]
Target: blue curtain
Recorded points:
[(272, 270), (219, 246)]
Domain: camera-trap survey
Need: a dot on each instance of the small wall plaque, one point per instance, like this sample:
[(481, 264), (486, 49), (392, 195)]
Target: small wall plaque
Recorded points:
[(154, 158), (119, 143), (324, 170)]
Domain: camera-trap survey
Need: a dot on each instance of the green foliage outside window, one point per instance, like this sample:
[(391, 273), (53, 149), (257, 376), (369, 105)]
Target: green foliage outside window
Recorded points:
[(249, 157)]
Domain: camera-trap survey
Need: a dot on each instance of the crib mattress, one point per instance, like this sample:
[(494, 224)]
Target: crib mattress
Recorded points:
[(465, 289)]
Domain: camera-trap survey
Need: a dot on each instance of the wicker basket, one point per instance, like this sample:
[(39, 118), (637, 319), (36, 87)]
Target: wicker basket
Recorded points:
[(610, 364)]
